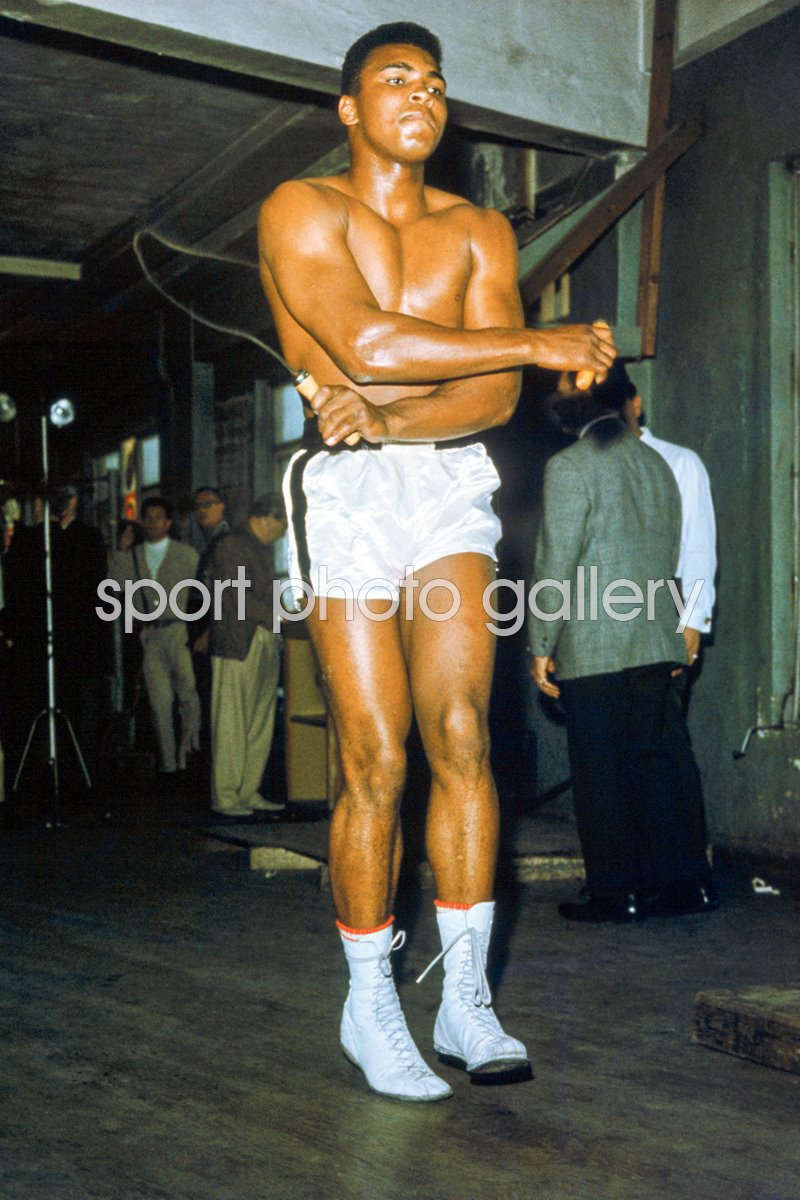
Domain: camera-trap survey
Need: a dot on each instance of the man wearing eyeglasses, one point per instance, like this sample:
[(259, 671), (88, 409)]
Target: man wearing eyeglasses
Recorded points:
[(208, 506)]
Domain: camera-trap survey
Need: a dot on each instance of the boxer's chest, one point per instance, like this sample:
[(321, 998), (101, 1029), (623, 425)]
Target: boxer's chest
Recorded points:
[(421, 269)]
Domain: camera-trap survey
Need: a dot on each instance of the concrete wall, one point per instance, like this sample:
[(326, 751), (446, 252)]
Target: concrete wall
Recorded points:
[(704, 25), (721, 384), (569, 65), (559, 69)]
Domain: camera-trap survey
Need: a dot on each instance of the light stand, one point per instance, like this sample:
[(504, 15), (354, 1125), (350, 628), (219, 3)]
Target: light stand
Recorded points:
[(61, 413)]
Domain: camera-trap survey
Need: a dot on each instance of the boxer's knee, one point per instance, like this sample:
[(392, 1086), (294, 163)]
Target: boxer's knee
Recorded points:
[(459, 739), (374, 769)]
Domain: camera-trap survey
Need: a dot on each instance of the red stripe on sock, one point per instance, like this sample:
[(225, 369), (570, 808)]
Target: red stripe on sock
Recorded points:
[(347, 932), (459, 907)]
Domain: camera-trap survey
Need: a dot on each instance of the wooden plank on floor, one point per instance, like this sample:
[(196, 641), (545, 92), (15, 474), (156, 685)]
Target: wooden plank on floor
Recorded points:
[(304, 847), (278, 858), (531, 868), (760, 1023)]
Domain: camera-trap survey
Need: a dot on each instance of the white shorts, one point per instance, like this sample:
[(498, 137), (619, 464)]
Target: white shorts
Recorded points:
[(361, 520)]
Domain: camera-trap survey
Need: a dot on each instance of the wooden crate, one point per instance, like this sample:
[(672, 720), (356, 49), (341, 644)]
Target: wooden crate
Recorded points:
[(759, 1023), (312, 754)]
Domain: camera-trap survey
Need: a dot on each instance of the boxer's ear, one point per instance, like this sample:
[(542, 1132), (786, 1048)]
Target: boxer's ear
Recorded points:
[(348, 114)]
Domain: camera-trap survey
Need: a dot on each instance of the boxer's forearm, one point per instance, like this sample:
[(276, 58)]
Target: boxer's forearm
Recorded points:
[(457, 408), (393, 348)]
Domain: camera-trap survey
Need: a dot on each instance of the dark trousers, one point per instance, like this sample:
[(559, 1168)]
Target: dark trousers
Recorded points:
[(635, 783), (202, 676)]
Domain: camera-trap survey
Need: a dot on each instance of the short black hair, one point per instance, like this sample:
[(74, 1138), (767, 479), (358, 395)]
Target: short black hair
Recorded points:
[(616, 389), (157, 502), (406, 32), (60, 497), (207, 487), (269, 505), (576, 408)]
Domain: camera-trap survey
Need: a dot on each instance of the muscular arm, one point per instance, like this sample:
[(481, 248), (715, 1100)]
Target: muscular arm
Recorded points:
[(303, 240), (468, 405), (457, 406)]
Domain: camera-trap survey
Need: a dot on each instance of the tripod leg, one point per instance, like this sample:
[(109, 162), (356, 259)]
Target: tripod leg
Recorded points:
[(80, 757), (22, 761), (51, 720)]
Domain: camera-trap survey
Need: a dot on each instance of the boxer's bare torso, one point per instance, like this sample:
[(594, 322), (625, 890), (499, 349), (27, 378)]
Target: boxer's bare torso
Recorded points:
[(419, 265)]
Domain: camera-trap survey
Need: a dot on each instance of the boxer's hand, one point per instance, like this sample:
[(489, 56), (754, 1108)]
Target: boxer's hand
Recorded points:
[(342, 413), (587, 349), (584, 379)]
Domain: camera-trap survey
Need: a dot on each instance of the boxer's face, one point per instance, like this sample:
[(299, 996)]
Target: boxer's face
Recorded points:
[(400, 108)]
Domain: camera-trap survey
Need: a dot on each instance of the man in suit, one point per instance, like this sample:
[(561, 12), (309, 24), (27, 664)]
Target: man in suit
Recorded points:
[(167, 663), (605, 622), (245, 663)]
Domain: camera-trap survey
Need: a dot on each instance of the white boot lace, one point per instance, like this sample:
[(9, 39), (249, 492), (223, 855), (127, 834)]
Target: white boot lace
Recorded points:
[(389, 1016), (473, 976)]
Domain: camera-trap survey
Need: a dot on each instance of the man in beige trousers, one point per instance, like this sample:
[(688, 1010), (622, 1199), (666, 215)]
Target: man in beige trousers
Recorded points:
[(245, 662)]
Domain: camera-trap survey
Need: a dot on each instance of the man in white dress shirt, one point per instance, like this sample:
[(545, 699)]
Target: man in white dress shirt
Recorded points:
[(697, 564)]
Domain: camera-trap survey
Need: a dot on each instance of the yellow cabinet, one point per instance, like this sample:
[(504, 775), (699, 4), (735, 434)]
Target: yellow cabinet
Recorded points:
[(311, 751)]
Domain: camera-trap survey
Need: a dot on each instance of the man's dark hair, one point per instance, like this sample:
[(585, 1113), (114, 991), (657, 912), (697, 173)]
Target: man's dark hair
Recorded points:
[(269, 505), (406, 32), (576, 409), (616, 389), (207, 487), (157, 502), (60, 497)]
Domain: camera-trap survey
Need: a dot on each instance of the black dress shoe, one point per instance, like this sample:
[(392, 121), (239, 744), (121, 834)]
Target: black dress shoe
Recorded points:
[(680, 899), (602, 908)]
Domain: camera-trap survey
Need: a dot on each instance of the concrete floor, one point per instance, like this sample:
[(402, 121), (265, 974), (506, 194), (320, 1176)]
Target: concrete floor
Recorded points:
[(168, 1021)]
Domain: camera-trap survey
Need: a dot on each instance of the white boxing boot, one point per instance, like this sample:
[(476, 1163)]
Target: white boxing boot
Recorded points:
[(373, 1034), (467, 1033)]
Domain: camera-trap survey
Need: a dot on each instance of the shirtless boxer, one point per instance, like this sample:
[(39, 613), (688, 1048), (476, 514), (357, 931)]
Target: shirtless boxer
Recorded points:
[(402, 301)]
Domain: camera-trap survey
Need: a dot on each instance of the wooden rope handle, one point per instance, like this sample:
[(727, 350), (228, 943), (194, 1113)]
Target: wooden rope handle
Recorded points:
[(308, 387)]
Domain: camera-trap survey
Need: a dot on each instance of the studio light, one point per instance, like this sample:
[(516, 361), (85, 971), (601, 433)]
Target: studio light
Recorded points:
[(62, 412), (8, 409)]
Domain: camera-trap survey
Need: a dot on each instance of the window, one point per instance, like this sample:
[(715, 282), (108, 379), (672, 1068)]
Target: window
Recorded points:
[(106, 464), (287, 409), (150, 451)]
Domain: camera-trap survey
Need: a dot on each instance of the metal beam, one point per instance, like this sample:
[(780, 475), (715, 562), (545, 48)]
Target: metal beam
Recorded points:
[(39, 268)]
